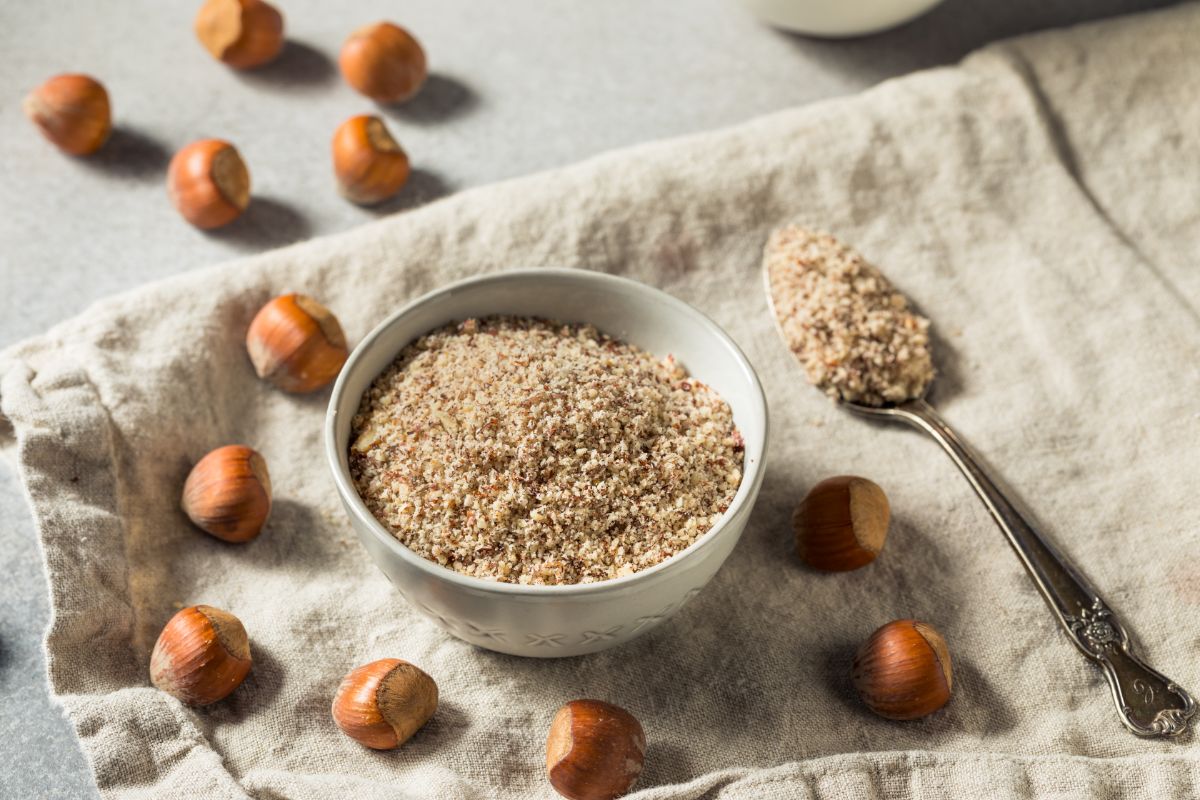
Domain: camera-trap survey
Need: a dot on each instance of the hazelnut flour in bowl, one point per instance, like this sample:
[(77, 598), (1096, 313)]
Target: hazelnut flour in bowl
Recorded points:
[(547, 462), (530, 451)]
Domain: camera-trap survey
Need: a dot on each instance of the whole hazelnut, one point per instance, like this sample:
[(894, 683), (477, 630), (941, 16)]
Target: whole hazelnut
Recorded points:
[(242, 33), (903, 670), (296, 343), (209, 184), (369, 164), (595, 750), (201, 656), (382, 704), (72, 111), (228, 493), (841, 524), (384, 62)]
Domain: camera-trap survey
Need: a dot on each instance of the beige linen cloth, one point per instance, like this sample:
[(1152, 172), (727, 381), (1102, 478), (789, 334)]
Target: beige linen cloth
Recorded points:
[(1040, 202)]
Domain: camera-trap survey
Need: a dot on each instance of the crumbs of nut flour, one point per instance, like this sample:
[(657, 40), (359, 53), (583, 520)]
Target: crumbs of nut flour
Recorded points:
[(529, 451), (851, 329)]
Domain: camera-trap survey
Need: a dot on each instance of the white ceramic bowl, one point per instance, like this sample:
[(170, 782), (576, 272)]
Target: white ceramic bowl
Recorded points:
[(838, 18), (552, 621)]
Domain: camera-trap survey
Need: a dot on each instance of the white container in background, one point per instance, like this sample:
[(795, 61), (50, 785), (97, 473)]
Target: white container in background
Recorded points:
[(838, 18)]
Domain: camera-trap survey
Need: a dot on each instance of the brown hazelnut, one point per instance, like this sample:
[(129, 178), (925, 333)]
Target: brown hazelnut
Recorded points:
[(209, 184), (72, 111), (369, 164), (228, 493), (903, 670), (595, 750), (296, 343), (384, 62), (382, 704), (201, 656), (842, 524), (242, 33)]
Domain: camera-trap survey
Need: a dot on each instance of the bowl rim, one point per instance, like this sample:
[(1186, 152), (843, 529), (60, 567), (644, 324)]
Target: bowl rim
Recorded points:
[(753, 463)]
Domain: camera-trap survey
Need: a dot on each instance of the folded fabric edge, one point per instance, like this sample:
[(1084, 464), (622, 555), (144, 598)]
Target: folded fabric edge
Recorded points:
[(185, 765), (59, 431), (998, 776)]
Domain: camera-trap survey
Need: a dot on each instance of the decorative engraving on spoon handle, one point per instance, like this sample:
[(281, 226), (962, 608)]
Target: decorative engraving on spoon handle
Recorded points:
[(1149, 703)]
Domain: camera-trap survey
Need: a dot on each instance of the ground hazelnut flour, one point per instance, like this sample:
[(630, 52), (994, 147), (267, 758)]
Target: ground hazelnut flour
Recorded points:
[(529, 451), (851, 329)]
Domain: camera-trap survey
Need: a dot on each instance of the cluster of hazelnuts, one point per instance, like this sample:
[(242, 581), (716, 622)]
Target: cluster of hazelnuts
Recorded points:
[(203, 653), (594, 750), (903, 670), (207, 180)]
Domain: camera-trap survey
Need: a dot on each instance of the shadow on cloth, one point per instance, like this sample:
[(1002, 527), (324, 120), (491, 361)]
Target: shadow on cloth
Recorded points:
[(442, 98), (423, 186), (268, 222), (129, 153), (294, 530), (666, 763), (299, 65), (256, 693)]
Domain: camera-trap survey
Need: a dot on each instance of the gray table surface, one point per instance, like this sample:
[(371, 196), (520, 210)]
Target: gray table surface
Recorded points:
[(515, 87)]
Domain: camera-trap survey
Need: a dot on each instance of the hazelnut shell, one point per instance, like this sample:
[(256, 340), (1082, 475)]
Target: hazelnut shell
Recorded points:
[(228, 493), (369, 164), (595, 750), (201, 656), (208, 183), (382, 704), (296, 343), (72, 111), (841, 524), (384, 62), (241, 33), (903, 670)]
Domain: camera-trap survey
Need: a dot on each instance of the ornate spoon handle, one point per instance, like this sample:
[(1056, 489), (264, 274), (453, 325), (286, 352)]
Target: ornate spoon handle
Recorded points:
[(1148, 702)]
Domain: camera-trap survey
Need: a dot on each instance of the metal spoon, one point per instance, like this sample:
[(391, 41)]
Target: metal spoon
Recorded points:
[(1148, 702)]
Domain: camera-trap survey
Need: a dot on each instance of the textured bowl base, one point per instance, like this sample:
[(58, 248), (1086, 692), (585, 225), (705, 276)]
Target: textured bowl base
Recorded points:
[(550, 644)]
